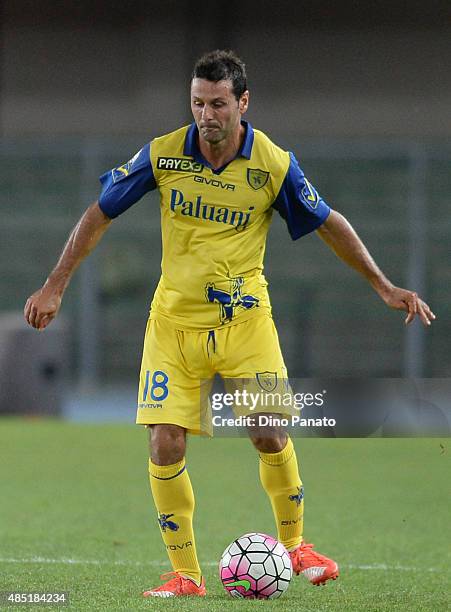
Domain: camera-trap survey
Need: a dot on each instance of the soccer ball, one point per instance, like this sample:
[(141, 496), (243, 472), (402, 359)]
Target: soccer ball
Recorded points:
[(255, 566)]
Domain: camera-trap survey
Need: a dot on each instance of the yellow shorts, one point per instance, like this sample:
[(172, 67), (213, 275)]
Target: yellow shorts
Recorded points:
[(178, 368)]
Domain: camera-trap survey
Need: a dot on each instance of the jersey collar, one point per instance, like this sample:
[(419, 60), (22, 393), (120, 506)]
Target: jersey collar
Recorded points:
[(191, 147)]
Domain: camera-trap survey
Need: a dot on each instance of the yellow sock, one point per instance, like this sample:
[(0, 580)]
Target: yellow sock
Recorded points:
[(279, 476), (174, 500)]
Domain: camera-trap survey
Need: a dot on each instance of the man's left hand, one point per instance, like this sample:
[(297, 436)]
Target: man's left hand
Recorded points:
[(402, 299)]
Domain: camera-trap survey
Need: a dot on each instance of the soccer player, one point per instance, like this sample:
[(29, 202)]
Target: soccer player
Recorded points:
[(219, 182)]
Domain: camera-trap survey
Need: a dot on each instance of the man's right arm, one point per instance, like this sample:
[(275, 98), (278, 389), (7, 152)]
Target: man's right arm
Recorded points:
[(121, 188), (43, 306)]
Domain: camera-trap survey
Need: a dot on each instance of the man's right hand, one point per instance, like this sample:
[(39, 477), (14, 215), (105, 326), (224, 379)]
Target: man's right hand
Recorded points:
[(42, 307)]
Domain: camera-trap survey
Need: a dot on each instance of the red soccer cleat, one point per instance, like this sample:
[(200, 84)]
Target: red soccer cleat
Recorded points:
[(315, 567), (178, 586)]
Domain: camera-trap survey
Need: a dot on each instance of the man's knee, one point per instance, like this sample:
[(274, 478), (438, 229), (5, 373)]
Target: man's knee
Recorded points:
[(167, 443), (268, 439)]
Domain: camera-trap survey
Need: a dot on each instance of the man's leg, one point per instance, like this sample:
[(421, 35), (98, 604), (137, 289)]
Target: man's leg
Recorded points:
[(170, 404), (250, 360), (280, 478), (174, 499)]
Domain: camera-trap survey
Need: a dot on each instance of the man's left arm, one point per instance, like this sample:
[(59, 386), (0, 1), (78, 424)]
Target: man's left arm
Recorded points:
[(340, 236)]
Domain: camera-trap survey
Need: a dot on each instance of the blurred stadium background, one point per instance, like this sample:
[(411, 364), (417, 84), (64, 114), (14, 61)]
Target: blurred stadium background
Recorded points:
[(362, 97)]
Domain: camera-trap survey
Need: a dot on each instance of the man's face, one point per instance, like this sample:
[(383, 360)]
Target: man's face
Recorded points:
[(216, 111)]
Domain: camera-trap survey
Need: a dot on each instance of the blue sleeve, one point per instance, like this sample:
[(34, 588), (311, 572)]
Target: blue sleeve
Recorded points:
[(126, 184), (299, 203)]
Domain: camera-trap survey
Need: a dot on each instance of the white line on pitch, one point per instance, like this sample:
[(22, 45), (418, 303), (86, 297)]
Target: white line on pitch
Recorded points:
[(155, 563)]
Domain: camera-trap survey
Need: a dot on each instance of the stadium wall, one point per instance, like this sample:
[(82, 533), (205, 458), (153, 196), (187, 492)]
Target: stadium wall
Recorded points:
[(315, 68)]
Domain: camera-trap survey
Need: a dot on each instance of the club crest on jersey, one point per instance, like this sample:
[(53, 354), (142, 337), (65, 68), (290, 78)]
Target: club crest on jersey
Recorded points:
[(257, 178), (267, 380), (179, 164), (228, 302), (310, 194)]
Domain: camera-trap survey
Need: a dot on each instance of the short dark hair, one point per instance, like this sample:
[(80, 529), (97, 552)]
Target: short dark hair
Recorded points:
[(222, 65)]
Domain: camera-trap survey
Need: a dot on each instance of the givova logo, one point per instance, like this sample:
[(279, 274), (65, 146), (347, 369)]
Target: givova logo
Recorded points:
[(213, 182), (179, 546)]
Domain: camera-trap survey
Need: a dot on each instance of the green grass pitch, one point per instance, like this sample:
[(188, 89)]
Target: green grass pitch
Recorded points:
[(76, 515)]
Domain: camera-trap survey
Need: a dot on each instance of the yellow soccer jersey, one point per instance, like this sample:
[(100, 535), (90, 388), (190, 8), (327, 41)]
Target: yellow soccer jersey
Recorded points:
[(214, 223)]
